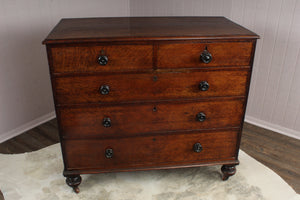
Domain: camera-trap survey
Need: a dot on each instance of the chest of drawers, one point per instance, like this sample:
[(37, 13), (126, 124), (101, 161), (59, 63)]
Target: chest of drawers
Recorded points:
[(147, 93)]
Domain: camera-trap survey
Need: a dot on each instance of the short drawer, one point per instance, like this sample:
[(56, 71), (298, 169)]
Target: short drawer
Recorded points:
[(142, 119), (146, 87), (162, 150), (86, 58), (188, 55)]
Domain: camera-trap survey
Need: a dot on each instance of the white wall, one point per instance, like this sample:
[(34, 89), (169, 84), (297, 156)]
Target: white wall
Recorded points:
[(274, 100), (25, 92), (180, 7)]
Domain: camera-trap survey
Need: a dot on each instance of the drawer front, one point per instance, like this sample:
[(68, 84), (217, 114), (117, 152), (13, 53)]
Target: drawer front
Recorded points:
[(143, 87), (127, 120), (86, 58), (188, 55), (151, 151)]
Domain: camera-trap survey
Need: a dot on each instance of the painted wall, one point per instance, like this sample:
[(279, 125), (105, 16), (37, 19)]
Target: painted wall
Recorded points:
[(25, 93), (25, 90), (180, 8), (274, 100)]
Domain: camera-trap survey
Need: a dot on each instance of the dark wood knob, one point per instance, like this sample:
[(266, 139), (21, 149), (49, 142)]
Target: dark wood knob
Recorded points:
[(203, 85), (104, 89), (102, 60), (197, 147), (106, 122), (205, 56), (201, 117), (109, 153)]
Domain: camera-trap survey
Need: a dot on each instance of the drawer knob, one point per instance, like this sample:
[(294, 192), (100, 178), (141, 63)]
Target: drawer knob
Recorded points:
[(106, 122), (104, 89), (197, 147), (205, 56), (203, 86), (109, 153), (200, 117), (102, 60)]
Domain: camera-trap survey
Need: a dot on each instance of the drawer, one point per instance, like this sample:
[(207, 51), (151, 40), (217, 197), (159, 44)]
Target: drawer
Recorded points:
[(146, 87), (85, 58), (187, 55), (150, 151), (127, 120)]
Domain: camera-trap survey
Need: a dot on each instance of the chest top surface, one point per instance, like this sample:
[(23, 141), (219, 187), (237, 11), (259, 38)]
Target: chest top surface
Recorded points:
[(145, 28)]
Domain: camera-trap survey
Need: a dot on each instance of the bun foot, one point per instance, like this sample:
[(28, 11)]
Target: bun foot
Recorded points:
[(74, 181), (228, 170), (76, 189)]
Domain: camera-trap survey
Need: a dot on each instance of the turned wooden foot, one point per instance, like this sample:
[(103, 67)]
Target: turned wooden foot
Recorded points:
[(73, 181), (228, 170)]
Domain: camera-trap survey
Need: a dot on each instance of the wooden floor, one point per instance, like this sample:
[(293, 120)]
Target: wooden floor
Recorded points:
[(278, 152)]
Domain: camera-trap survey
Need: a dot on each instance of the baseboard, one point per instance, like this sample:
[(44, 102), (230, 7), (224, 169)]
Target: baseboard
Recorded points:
[(25, 127), (273, 127)]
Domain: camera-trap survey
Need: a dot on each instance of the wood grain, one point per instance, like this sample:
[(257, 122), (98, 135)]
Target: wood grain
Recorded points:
[(279, 152), (156, 150), (85, 58), (187, 55), (129, 120), (150, 86), (1, 196), (145, 28)]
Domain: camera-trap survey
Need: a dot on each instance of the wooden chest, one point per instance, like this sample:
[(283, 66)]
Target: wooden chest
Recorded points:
[(140, 93)]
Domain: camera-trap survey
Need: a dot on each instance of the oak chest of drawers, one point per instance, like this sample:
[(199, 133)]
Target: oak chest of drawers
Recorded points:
[(149, 92)]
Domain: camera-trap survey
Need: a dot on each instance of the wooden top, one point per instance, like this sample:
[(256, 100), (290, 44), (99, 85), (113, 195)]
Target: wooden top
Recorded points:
[(145, 28)]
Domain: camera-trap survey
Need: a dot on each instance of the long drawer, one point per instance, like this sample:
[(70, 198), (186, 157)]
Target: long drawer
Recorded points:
[(69, 59), (138, 119), (162, 150), (150, 86), (188, 55)]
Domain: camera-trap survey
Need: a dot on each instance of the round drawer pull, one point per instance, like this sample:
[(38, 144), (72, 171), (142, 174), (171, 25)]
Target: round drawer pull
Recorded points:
[(203, 85), (197, 147), (154, 109), (102, 60), (201, 117), (205, 56), (109, 153), (104, 89), (106, 122)]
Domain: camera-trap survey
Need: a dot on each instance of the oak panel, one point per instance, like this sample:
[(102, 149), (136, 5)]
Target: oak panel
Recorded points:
[(187, 55), (152, 86), (132, 119), (151, 150), (85, 58)]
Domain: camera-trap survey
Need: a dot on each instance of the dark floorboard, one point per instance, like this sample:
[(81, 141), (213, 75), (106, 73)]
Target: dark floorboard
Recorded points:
[(1, 196), (278, 152)]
